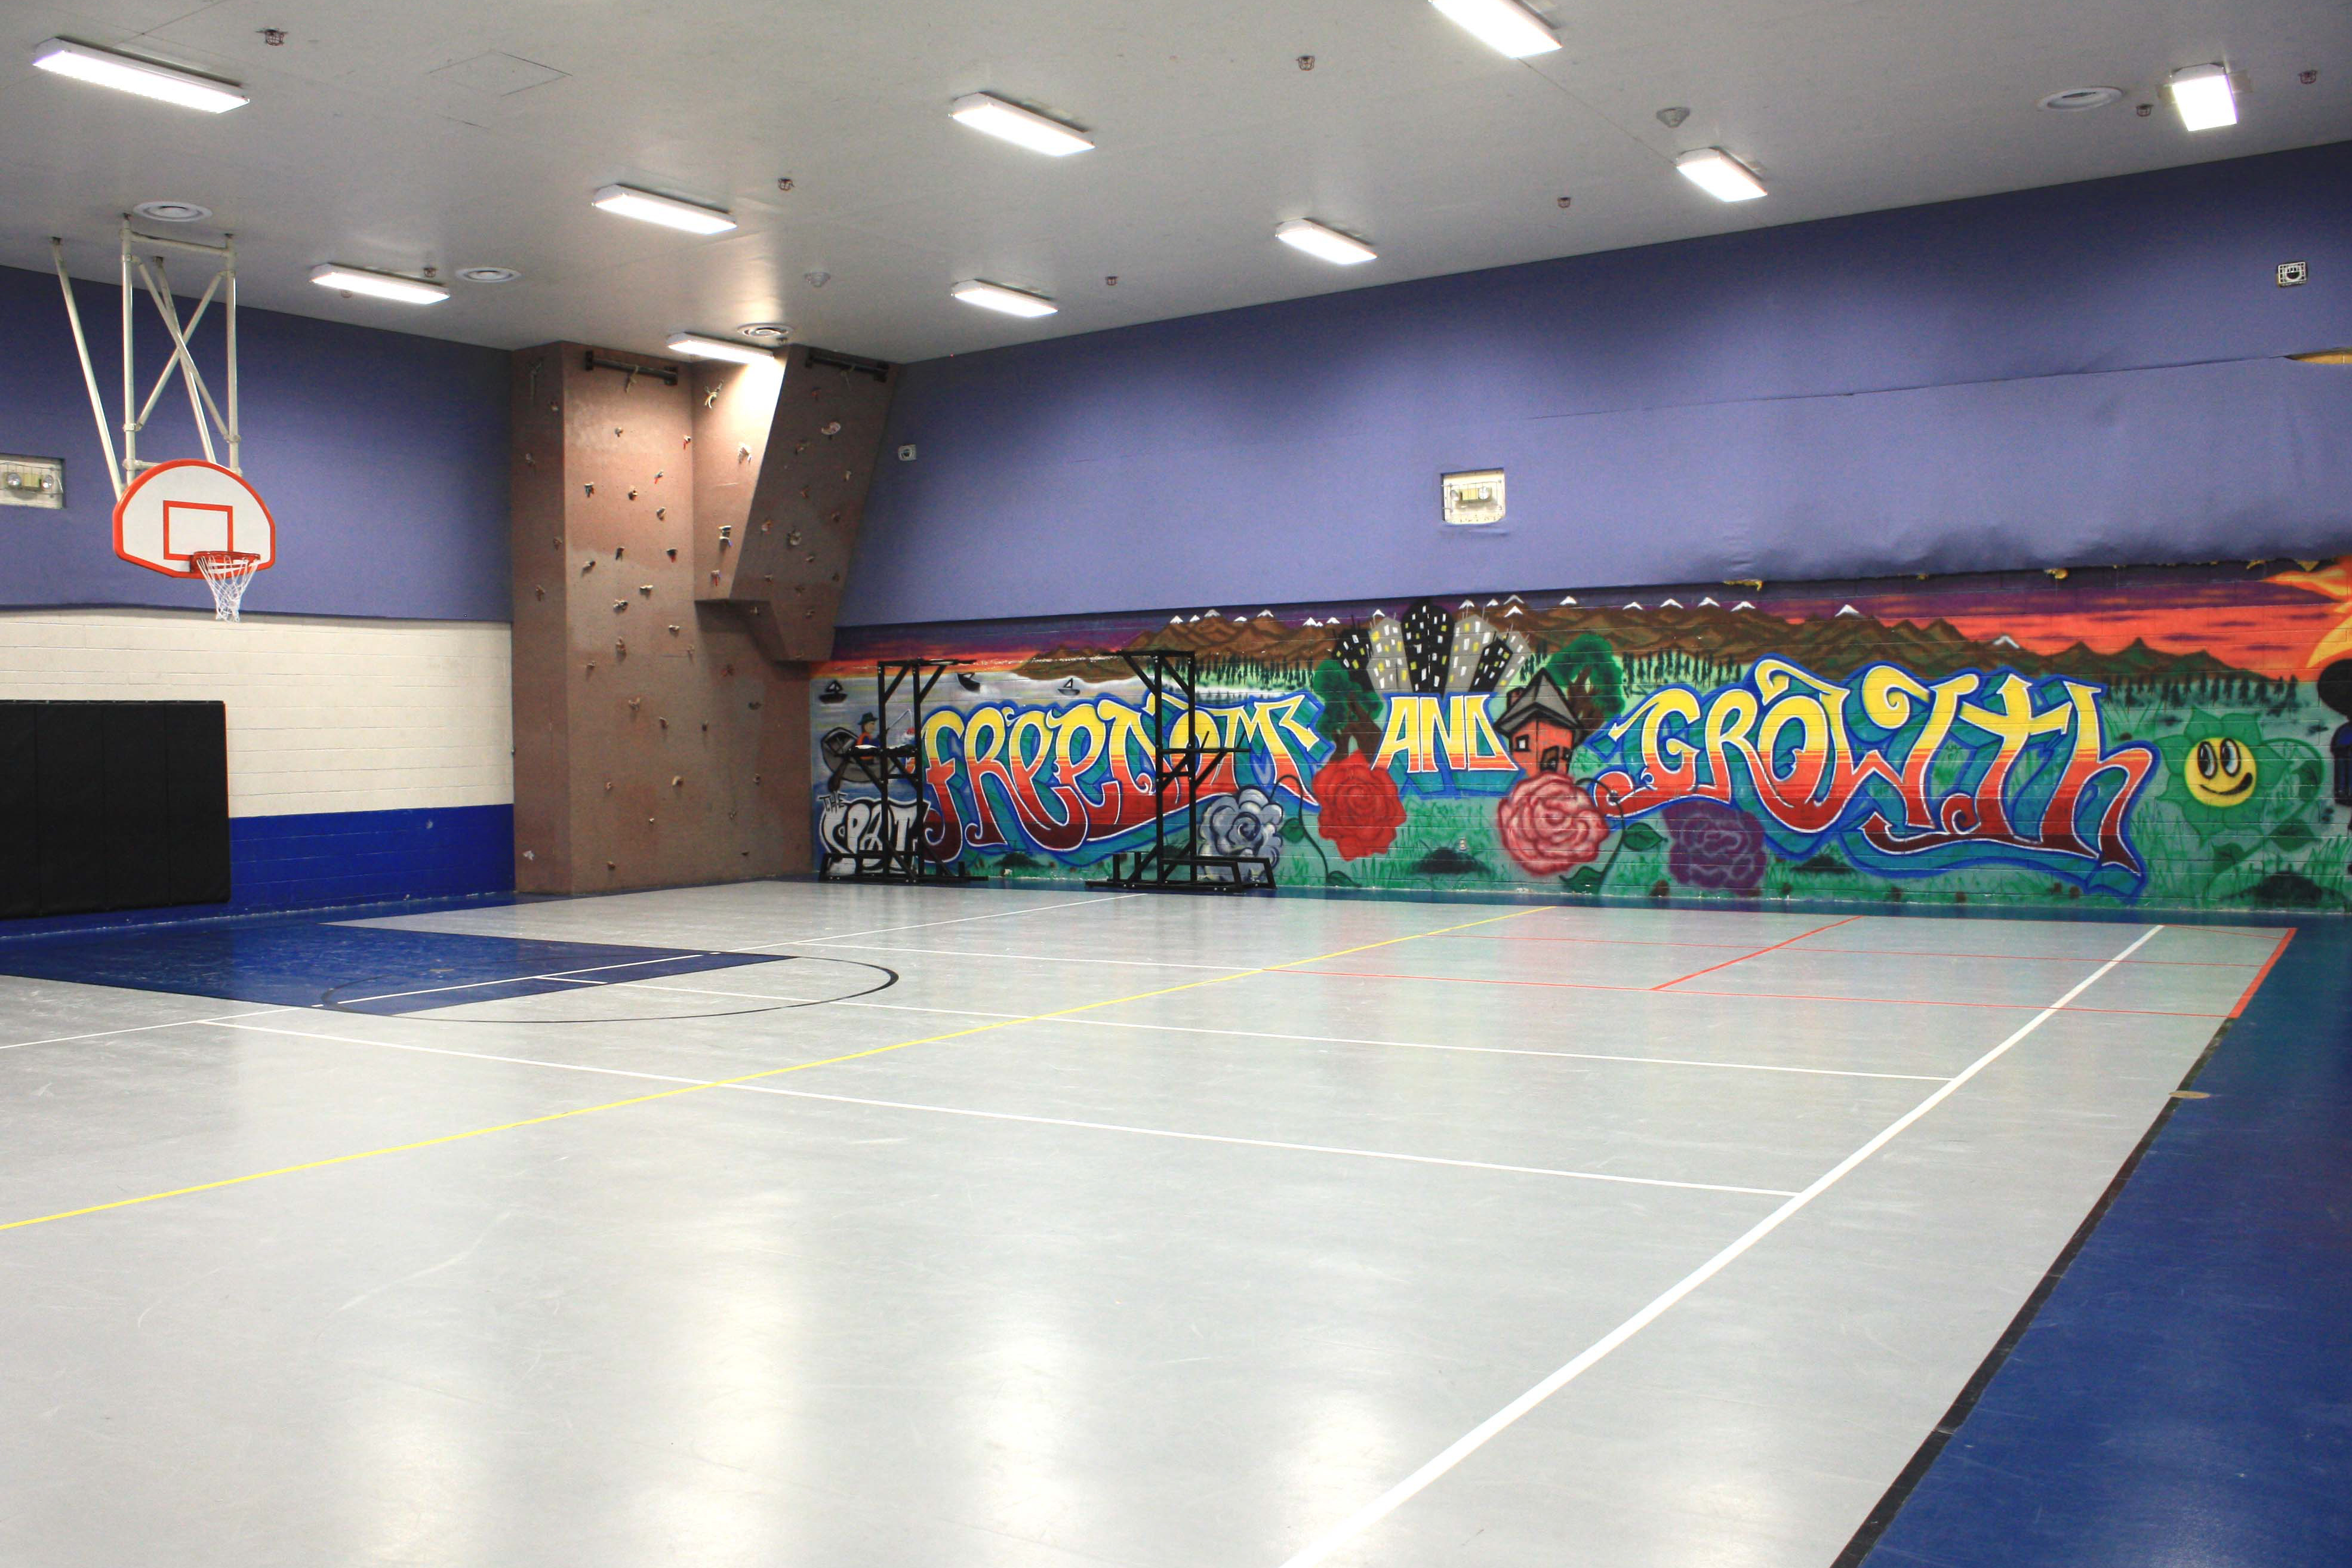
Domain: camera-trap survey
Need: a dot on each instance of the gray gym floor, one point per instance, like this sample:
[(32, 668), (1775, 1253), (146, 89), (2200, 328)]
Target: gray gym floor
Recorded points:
[(1162, 1232)]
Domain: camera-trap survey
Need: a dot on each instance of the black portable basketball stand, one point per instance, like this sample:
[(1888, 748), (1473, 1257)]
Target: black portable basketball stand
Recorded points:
[(887, 766), (1174, 863)]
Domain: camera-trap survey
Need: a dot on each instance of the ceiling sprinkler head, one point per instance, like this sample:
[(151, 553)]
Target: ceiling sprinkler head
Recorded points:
[(1110, 280), (786, 183), (1306, 62), (489, 274), (173, 212), (764, 332), (1565, 201), (274, 37), (1673, 118), (817, 280)]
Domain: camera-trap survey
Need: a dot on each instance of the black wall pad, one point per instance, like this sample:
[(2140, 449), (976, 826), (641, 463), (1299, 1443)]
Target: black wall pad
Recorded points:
[(70, 827), (20, 873), (116, 805), (196, 746), (137, 840)]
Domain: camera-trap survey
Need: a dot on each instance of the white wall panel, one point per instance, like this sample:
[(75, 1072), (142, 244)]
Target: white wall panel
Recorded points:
[(324, 714)]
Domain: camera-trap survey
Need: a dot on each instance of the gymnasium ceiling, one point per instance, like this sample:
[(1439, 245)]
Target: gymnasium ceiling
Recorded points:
[(448, 134)]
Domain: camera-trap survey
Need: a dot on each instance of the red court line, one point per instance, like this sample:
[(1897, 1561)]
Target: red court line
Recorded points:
[(1741, 996), (2263, 973), (1887, 952), (1760, 952)]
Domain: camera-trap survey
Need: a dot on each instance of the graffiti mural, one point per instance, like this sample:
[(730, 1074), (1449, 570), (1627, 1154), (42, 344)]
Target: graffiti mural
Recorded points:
[(2174, 735)]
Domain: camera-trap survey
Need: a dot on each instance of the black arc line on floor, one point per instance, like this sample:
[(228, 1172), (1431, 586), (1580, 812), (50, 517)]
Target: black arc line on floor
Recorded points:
[(336, 999)]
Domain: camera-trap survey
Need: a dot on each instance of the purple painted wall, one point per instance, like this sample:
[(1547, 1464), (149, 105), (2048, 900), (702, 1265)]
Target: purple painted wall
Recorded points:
[(370, 447), (2088, 374)]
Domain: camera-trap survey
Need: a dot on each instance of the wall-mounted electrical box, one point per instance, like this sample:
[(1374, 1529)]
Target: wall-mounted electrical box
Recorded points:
[(1474, 498), (32, 481)]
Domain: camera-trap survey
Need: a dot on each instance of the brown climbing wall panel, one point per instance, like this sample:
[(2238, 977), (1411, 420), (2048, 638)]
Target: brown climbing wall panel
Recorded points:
[(656, 743), (781, 559)]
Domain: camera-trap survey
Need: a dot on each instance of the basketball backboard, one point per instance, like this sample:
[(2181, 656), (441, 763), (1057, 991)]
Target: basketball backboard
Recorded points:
[(174, 511)]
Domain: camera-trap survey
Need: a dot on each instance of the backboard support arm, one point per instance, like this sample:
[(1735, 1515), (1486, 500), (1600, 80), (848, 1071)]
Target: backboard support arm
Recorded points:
[(211, 417)]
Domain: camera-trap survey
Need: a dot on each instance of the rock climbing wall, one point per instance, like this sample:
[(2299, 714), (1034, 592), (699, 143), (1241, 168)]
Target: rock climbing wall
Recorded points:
[(662, 620), (779, 546)]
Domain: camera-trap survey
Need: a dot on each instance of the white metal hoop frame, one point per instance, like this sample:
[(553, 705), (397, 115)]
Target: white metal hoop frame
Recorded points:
[(143, 266)]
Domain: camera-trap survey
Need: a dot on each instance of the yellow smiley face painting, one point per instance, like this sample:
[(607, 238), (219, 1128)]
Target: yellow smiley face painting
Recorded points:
[(2219, 771)]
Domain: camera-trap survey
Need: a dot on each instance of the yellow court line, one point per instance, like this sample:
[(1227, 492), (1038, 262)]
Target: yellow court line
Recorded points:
[(746, 1077)]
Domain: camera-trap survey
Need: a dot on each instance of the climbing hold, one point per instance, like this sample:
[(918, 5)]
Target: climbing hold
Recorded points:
[(677, 779), (660, 513), (538, 592), (644, 588), (673, 630), (633, 492), (830, 427), (792, 539), (620, 606), (620, 647), (589, 489), (673, 552)]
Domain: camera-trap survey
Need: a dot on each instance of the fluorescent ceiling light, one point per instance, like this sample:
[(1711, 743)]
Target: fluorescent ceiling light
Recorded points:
[(1330, 245), (1719, 174), (1504, 25), (378, 285), (697, 346), (1011, 123), (127, 74), (666, 211), (996, 297), (2202, 95)]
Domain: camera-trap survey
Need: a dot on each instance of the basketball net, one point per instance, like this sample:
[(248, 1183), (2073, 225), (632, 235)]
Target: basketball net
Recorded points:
[(226, 572)]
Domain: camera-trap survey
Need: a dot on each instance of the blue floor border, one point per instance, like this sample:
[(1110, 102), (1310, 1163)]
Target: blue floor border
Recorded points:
[(2179, 1388)]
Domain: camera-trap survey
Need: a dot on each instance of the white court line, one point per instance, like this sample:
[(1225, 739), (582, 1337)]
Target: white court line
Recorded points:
[(1503, 1051), (1470, 1442), (1051, 958), (959, 920), (1034, 1121), (144, 1028), (1305, 1039)]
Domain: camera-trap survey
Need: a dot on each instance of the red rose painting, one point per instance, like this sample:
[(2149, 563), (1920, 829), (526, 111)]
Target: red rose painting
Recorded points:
[(1550, 824), (1361, 809)]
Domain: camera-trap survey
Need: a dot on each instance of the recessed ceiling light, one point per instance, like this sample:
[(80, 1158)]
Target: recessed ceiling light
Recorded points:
[(378, 285), (695, 346), (666, 211), (489, 274), (996, 297), (173, 212), (2080, 98), (1720, 176), (1329, 244), (1504, 25), (126, 73), (985, 111), (2202, 95), (764, 332)]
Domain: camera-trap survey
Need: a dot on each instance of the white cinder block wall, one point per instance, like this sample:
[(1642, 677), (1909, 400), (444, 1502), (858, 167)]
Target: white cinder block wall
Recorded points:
[(324, 714)]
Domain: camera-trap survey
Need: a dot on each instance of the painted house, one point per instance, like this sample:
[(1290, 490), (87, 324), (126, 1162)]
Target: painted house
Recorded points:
[(1540, 726)]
